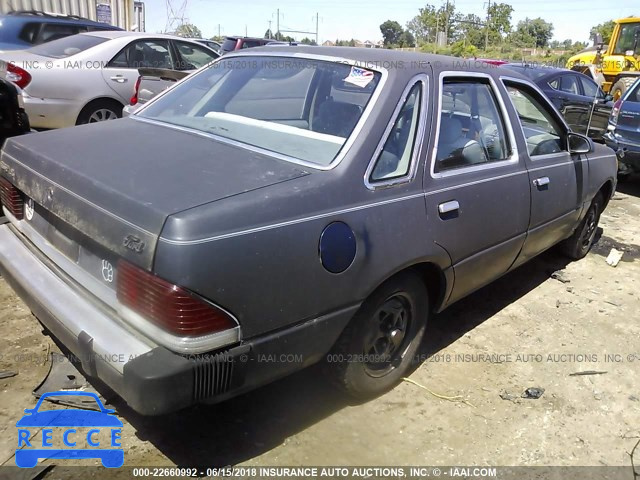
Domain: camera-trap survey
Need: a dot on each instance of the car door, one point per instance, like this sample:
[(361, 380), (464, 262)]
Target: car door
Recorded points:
[(574, 106), (121, 72), (477, 188), (556, 178), (601, 107)]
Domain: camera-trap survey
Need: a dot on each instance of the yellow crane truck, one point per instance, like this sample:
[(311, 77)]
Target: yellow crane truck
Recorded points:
[(616, 68)]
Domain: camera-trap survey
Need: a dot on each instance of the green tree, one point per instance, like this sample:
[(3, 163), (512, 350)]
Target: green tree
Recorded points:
[(407, 39), (469, 30), (430, 20), (499, 25), (605, 29), (308, 41), (391, 32), (188, 30), (459, 49), (268, 33), (532, 33)]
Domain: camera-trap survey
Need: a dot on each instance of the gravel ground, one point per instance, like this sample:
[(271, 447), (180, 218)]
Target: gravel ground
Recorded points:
[(462, 406)]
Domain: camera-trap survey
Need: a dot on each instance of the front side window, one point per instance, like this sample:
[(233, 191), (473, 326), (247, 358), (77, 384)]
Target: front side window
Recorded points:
[(626, 39), (634, 94), (472, 130), (305, 109), (590, 88), (544, 134), (193, 56), (395, 159)]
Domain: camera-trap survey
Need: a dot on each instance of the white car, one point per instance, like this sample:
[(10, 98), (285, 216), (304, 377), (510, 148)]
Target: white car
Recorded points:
[(89, 77)]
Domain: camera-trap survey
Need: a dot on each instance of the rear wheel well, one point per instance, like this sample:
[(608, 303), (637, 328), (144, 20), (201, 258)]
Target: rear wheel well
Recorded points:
[(434, 280)]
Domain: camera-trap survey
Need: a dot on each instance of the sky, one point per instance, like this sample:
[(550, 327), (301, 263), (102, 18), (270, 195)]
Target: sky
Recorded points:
[(361, 19)]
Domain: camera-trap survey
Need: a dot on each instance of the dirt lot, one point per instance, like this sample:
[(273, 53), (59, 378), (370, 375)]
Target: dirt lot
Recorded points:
[(526, 330)]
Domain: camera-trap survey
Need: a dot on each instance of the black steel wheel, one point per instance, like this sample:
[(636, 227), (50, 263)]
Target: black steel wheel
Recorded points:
[(378, 346)]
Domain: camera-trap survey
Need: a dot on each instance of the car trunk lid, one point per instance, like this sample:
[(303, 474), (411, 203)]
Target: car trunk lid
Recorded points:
[(118, 181)]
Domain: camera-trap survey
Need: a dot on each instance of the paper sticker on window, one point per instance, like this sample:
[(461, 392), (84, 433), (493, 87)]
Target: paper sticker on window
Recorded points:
[(359, 77)]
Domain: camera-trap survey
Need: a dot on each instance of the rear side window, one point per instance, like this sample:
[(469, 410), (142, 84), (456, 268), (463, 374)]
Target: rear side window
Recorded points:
[(55, 31), (569, 84), (29, 32), (472, 130), (634, 94), (65, 47), (143, 54), (395, 159), (544, 134)]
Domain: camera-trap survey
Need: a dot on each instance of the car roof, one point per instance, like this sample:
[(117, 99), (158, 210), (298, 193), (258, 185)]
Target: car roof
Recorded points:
[(394, 61), (111, 34)]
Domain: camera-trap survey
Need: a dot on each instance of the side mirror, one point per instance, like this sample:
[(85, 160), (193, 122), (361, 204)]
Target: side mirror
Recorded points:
[(579, 144), (597, 39), (608, 98)]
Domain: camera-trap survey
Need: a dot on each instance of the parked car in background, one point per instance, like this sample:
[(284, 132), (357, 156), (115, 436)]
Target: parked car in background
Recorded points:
[(89, 77), (213, 45), (290, 205), (623, 133), (238, 43), (13, 119), (150, 83), (24, 29), (582, 103)]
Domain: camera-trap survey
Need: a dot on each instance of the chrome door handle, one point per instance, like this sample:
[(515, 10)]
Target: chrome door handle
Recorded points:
[(541, 182), (448, 207), (119, 79)]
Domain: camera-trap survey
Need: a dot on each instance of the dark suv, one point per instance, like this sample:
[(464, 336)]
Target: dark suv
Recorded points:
[(624, 131), (238, 43), (24, 29)]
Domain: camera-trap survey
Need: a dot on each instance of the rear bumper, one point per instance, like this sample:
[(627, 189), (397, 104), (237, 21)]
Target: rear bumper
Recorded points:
[(152, 379), (51, 112), (628, 152)]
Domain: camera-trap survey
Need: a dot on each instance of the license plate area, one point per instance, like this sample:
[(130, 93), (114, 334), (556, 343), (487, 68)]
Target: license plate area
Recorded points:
[(63, 244)]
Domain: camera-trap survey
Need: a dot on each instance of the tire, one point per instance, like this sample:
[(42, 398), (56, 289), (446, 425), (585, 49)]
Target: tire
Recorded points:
[(578, 245), (621, 86), (100, 110), (378, 346)]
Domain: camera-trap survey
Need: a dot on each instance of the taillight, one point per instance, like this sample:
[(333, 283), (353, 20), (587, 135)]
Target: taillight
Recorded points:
[(18, 75), (134, 99), (11, 198), (615, 111), (169, 306)]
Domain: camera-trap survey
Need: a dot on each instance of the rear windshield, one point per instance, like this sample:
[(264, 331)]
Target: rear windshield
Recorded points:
[(229, 44), (532, 73), (68, 46), (305, 109)]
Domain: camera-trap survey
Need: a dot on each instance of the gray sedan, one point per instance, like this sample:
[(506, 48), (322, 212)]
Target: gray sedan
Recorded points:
[(280, 208)]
